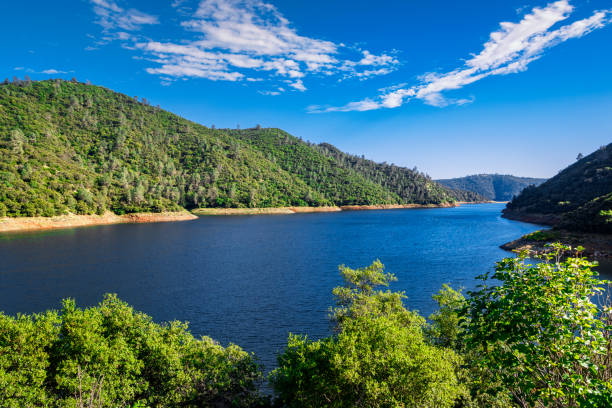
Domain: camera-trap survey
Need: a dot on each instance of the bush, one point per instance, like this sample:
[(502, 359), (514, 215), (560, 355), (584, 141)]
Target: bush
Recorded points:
[(378, 358), (536, 335), (121, 356)]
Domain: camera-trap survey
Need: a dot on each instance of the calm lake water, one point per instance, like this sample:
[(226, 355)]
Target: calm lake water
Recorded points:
[(251, 280)]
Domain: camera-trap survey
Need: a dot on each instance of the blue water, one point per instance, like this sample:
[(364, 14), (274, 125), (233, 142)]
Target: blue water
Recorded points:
[(251, 280)]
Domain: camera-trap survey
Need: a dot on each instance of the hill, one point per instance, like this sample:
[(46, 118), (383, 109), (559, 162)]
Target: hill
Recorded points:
[(496, 187), (579, 198), (69, 147)]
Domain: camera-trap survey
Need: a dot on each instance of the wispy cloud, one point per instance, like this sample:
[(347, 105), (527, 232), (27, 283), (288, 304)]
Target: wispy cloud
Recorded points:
[(113, 17), (53, 71), (509, 50), (50, 71), (236, 40)]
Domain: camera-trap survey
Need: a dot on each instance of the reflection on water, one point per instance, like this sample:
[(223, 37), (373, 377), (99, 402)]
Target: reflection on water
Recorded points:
[(605, 269)]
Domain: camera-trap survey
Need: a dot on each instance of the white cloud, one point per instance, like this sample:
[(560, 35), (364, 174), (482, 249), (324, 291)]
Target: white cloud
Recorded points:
[(299, 85), (270, 93), (509, 50), (238, 39), (112, 17), (53, 71)]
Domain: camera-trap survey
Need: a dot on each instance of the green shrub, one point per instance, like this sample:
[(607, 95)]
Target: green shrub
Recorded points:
[(378, 358), (110, 350), (536, 335), (542, 235)]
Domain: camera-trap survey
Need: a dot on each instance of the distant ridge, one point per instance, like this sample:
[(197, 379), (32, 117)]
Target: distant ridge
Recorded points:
[(579, 198), (69, 147), (495, 187)]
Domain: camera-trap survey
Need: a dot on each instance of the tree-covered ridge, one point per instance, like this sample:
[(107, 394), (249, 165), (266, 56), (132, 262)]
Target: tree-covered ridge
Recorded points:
[(323, 166), (497, 187), (578, 198), (72, 147)]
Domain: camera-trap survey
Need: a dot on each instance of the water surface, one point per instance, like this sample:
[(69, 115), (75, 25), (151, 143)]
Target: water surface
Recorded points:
[(251, 280)]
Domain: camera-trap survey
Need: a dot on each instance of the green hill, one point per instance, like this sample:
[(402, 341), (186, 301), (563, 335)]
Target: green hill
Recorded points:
[(496, 187), (72, 147), (579, 198)]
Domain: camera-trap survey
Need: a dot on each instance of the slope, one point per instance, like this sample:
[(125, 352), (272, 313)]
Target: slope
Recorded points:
[(68, 147), (578, 198), (496, 187)]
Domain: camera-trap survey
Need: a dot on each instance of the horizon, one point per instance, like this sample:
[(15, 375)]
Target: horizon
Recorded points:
[(538, 82)]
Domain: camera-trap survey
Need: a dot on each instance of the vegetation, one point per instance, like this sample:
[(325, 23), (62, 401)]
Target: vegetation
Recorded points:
[(536, 337), (379, 356), (110, 356), (529, 336), (542, 236), (579, 198), (72, 147), (496, 187)]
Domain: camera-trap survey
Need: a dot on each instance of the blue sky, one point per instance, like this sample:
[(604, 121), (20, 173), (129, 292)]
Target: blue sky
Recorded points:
[(453, 88)]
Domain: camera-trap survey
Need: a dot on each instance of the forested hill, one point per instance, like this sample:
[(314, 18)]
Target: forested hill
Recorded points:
[(496, 187), (72, 147), (578, 198)]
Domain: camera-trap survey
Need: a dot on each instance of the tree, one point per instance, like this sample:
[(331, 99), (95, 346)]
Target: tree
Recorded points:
[(378, 357), (539, 337), (17, 141), (122, 357)]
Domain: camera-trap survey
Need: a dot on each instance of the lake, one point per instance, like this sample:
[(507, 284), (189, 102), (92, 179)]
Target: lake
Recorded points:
[(251, 280)]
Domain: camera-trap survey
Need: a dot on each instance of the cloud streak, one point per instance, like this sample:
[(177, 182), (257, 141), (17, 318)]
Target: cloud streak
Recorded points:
[(237, 40), (509, 50), (113, 17)]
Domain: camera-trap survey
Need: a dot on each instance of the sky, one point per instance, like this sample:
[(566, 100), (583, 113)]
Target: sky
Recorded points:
[(453, 88)]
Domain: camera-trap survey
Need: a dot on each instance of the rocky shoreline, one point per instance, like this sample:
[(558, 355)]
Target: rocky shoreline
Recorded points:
[(596, 246), (302, 210), (9, 224)]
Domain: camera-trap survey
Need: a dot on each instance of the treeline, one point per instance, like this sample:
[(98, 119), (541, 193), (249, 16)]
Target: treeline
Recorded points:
[(578, 198), (324, 167), (529, 336), (496, 187), (66, 146)]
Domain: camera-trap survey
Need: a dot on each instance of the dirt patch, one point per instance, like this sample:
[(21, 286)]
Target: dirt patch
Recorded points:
[(8, 224)]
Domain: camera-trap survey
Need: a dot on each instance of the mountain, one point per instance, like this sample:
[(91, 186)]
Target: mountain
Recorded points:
[(73, 147), (496, 187), (579, 198)]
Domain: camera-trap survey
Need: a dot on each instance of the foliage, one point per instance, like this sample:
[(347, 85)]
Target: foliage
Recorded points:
[(324, 167), (542, 235), (72, 147), (575, 197), (121, 358), (379, 356), (593, 216), (445, 330), (538, 337), (497, 187)]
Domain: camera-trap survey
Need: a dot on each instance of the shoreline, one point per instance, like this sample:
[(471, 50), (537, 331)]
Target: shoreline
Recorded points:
[(304, 210), (596, 246), (17, 224), (540, 219)]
